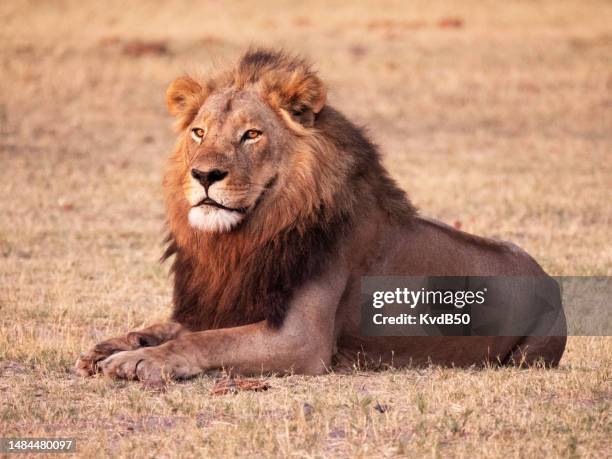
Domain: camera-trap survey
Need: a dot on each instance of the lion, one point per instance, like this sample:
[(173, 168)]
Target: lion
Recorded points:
[(277, 206)]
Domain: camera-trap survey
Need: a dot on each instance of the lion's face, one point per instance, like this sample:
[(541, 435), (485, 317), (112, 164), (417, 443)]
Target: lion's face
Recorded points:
[(244, 154), (233, 154)]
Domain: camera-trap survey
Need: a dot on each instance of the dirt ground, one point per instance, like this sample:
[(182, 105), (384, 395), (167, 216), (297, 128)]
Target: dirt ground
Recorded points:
[(494, 116)]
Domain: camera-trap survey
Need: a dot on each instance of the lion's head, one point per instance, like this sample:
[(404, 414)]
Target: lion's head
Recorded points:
[(241, 149)]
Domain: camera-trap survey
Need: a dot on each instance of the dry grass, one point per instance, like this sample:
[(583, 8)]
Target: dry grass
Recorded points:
[(502, 124)]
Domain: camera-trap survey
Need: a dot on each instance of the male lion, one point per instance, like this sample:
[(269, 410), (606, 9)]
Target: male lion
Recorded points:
[(277, 205)]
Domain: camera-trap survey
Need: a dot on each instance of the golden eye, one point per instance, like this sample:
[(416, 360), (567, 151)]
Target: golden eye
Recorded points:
[(251, 134), (197, 134)]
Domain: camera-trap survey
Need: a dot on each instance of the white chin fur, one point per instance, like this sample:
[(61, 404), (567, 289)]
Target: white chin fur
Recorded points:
[(214, 220)]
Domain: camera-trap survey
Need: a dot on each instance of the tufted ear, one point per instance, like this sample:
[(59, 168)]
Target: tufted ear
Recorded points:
[(304, 96), (287, 82), (184, 98)]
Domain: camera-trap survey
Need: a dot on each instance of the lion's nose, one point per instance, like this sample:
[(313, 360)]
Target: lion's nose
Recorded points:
[(207, 178)]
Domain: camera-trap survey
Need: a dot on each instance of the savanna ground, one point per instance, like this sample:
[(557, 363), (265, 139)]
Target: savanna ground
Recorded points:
[(494, 116)]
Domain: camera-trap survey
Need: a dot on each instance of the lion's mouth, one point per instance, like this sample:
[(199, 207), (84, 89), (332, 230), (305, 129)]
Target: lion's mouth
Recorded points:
[(241, 210), (211, 202)]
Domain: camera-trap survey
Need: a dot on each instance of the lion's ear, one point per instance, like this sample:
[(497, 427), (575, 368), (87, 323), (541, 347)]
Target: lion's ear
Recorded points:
[(304, 96), (286, 82), (184, 98)]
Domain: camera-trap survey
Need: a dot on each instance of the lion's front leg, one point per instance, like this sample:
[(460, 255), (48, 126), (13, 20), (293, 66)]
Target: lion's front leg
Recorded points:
[(303, 344), (298, 346), (87, 363)]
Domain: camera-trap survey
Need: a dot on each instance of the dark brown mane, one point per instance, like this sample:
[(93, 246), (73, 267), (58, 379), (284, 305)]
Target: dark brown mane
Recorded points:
[(253, 287), (249, 275)]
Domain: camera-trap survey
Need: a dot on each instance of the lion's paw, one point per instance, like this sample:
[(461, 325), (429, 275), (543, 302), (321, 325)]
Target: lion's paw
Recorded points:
[(151, 365), (88, 363)]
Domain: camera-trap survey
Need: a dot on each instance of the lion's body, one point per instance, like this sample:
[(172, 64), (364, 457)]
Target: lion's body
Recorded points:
[(430, 248), (277, 288)]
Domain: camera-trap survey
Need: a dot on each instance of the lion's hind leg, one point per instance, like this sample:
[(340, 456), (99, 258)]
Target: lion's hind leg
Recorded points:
[(154, 335), (537, 350)]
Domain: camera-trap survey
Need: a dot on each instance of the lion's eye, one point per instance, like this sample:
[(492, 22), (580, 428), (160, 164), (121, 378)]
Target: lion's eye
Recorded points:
[(251, 134), (197, 134)]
